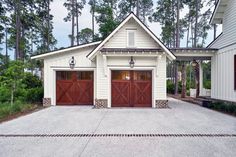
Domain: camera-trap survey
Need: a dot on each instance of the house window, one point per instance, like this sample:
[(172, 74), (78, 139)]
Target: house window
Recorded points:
[(84, 75), (235, 72), (64, 75), (130, 38)]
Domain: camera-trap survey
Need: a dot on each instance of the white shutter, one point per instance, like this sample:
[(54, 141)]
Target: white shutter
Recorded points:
[(131, 38)]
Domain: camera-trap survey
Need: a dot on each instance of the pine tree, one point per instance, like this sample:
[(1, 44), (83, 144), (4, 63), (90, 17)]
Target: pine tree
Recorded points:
[(74, 8), (146, 10), (105, 17)]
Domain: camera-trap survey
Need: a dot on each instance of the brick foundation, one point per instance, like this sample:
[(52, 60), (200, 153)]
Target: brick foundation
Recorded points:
[(162, 104), (47, 102), (100, 103)]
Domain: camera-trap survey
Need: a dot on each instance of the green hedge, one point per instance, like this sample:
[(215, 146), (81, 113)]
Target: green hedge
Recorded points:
[(226, 107)]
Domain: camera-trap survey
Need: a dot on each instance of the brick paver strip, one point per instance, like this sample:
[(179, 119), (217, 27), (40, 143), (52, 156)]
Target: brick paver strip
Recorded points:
[(117, 135)]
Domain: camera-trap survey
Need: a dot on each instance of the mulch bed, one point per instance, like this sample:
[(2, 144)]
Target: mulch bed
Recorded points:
[(19, 114)]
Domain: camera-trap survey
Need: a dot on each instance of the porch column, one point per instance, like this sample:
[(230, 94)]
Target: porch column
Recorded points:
[(200, 79)]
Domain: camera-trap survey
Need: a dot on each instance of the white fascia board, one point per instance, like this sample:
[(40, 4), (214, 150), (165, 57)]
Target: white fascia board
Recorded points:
[(42, 56), (214, 13)]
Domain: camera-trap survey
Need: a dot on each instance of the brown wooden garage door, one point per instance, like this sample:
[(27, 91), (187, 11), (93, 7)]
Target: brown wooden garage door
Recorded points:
[(131, 88), (74, 87)]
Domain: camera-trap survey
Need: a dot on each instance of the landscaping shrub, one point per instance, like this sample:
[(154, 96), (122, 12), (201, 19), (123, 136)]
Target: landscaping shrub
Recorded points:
[(5, 94), (226, 107), (207, 84), (170, 87), (6, 109), (31, 81), (34, 95)]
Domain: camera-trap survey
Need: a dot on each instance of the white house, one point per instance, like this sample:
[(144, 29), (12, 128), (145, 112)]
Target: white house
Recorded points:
[(127, 69), (223, 76)]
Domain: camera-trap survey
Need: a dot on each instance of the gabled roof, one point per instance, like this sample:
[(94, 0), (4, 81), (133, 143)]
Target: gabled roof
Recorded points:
[(217, 16), (92, 54), (41, 56)]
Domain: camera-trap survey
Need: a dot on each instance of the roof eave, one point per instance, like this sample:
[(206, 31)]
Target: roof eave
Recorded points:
[(42, 56), (217, 16)]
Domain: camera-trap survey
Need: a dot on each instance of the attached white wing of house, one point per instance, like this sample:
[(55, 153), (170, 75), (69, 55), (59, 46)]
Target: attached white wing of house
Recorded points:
[(223, 77)]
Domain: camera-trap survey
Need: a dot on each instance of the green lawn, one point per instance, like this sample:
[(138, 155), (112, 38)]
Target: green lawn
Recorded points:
[(8, 110)]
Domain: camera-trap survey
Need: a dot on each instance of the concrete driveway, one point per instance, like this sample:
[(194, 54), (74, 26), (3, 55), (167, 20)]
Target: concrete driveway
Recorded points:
[(183, 130)]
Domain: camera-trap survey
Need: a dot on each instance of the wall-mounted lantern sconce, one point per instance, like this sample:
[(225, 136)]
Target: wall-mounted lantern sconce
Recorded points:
[(131, 62), (72, 62)]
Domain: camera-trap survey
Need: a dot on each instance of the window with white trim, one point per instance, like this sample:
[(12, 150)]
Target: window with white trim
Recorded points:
[(130, 38)]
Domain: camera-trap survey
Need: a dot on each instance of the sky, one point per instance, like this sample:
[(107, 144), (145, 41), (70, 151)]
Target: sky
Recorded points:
[(62, 29)]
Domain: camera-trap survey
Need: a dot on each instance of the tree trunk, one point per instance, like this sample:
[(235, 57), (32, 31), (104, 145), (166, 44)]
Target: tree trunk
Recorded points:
[(188, 31), (77, 23), (176, 78), (177, 26), (17, 27), (137, 8), (48, 25), (72, 22), (192, 34), (12, 93), (6, 44), (196, 24), (183, 93), (174, 26), (93, 10)]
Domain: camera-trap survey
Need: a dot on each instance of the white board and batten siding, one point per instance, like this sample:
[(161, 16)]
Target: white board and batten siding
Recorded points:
[(222, 74), (61, 63), (223, 62)]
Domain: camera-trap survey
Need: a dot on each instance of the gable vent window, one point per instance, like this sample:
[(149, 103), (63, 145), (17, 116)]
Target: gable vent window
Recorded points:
[(130, 38), (235, 72)]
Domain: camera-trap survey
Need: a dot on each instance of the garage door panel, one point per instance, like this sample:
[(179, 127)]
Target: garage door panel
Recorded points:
[(131, 88), (64, 92), (84, 92), (142, 94), (72, 88), (121, 94)]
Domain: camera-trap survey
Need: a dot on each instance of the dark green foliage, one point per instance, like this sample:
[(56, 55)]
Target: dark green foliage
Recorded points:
[(7, 109), (170, 87), (5, 94), (86, 36), (221, 106), (31, 81), (34, 95), (17, 85), (105, 19)]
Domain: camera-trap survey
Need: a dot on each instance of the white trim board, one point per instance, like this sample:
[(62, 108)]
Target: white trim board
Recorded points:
[(42, 56)]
